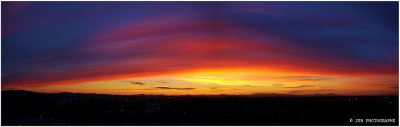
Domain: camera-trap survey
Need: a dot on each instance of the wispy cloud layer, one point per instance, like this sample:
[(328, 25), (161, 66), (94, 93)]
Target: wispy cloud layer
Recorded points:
[(53, 43)]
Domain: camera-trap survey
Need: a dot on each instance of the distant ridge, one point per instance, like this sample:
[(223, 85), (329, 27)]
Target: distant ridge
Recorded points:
[(219, 95), (288, 95)]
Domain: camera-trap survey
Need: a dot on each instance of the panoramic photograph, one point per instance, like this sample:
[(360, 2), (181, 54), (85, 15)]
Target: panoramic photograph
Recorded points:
[(199, 63)]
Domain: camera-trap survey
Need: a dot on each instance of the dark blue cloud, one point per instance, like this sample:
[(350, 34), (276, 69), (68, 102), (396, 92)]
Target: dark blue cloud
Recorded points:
[(357, 31)]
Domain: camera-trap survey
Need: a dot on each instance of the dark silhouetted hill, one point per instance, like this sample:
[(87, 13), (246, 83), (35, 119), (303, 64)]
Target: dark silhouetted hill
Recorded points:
[(30, 108)]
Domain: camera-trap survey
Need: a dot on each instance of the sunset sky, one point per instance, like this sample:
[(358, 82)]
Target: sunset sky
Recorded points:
[(179, 48)]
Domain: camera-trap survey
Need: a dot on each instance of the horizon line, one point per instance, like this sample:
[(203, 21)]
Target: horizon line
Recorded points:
[(233, 95)]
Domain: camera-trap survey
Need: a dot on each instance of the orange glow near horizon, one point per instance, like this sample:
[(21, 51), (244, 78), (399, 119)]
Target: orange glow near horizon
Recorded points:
[(234, 81)]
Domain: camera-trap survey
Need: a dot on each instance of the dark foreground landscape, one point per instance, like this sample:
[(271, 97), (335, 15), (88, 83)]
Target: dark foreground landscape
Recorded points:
[(29, 108)]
